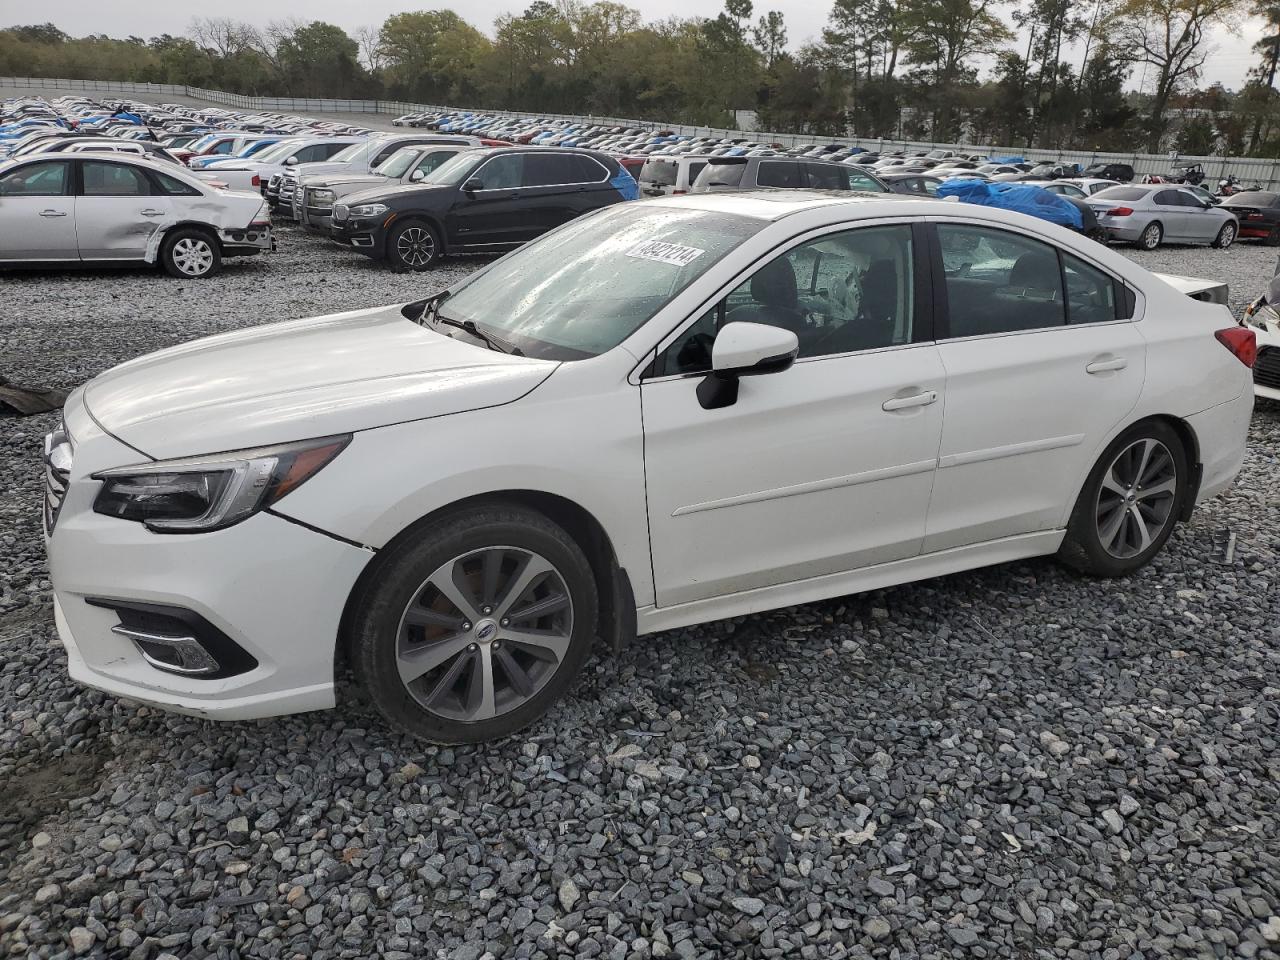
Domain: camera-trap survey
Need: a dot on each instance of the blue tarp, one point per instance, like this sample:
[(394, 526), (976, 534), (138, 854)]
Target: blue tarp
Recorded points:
[(1006, 160), (1020, 197)]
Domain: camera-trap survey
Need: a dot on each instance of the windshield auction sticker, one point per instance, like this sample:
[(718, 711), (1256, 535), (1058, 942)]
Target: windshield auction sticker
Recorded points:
[(672, 253)]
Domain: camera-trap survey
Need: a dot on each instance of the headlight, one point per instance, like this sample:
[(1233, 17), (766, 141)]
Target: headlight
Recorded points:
[(197, 494), (322, 194), (369, 210)]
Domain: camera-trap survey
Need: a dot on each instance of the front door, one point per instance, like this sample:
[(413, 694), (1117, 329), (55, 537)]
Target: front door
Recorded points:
[(1037, 380), (495, 215), (116, 213), (820, 469), (37, 212)]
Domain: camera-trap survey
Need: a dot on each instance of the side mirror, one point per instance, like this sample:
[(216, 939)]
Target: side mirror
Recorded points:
[(472, 185), (416, 176), (290, 161), (744, 349)]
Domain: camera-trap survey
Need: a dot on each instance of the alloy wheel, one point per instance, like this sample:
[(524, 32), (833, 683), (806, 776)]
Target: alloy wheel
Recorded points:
[(1226, 237), (484, 633), (193, 256), (416, 246), (1151, 237), (1136, 498)]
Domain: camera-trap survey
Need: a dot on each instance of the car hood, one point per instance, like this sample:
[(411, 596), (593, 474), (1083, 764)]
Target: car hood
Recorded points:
[(327, 166), (300, 379), (356, 181), (394, 191)]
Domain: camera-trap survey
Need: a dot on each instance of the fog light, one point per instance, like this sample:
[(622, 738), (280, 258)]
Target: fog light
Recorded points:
[(182, 655)]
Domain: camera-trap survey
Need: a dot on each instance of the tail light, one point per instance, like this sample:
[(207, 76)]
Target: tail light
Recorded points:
[(678, 193), (1253, 215), (255, 181), (1119, 212), (1241, 342)]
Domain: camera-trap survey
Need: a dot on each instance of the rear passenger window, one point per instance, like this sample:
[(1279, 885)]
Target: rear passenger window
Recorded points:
[(587, 170), (549, 169), (774, 173), (114, 180), (860, 181), (1091, 294), (999, 282), (827, 176)]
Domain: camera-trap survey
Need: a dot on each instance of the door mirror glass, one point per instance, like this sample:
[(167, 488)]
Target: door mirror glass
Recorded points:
[(472, 185), (416, 176)]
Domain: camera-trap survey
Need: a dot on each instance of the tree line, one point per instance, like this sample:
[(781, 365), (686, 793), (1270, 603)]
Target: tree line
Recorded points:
[(1031, 73)]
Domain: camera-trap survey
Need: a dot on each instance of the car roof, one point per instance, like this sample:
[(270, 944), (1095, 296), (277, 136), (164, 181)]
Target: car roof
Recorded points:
[(777, 204)]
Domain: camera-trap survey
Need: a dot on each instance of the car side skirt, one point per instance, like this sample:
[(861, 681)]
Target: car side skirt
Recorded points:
[(651, 619)]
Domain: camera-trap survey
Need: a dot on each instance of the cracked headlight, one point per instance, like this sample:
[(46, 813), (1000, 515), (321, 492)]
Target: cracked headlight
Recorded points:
[(197, 494)]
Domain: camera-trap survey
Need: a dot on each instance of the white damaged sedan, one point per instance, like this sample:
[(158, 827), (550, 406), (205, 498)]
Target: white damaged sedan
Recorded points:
[(657, 415), (104, 209)]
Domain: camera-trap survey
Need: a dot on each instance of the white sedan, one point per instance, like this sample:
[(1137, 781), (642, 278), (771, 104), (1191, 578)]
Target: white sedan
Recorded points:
[(120, 208), (250, 173), (660, 414)]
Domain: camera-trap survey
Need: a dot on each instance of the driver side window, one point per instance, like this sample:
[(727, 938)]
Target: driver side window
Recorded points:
[(840, 293)]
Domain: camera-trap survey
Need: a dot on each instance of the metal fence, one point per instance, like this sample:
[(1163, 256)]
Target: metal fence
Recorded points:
[(1247, 170)]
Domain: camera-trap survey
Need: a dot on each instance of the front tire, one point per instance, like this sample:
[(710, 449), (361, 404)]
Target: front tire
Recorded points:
[(412, 245), (472, 630), (1130, 502), (190, 254), (1226, 236), (1150, 237)]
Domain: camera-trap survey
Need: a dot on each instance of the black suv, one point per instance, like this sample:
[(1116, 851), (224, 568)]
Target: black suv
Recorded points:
[(1119, 172), (725, 174), (481, 201)]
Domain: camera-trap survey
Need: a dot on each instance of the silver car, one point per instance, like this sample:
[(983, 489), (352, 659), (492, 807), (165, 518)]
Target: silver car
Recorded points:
[(317, 194), (113, 208), (1150, 214)]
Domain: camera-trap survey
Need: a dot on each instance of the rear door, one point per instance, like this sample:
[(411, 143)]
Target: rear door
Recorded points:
[(37, 212), (1035, 385), (116, 211), (1169, 209), (552, 185)]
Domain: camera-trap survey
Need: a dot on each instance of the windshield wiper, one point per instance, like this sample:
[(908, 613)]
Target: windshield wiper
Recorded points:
[(489, 340)]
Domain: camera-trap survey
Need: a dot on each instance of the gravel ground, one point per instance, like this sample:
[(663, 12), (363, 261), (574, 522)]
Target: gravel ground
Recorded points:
[(1013, 762)]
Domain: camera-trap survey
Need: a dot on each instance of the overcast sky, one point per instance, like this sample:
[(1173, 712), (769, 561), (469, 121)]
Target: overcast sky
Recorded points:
[(805, 18)]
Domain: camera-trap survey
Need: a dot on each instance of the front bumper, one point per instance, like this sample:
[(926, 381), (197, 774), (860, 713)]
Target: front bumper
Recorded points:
[(274, 588), (362, 235)]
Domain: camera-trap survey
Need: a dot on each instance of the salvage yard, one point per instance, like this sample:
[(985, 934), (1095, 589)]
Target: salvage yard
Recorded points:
[(1011, 762)]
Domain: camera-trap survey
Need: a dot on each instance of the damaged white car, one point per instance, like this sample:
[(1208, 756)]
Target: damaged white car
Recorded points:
[(124, 209)]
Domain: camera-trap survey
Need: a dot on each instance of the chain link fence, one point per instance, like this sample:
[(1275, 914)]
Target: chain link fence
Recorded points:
[(1249, 171)]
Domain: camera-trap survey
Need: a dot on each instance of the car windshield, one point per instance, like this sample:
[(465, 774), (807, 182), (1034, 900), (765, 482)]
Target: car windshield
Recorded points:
[(1121, 193), (1252, 198), (355, 152), (455, 169), (586, 287), (400, 161), (277, 152)]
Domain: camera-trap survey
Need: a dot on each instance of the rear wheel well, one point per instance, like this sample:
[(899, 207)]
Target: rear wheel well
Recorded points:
[(206, 229), (1191, 446), (617, 610)]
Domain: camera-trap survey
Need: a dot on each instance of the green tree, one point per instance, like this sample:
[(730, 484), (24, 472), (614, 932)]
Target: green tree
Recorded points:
[(320, 60)]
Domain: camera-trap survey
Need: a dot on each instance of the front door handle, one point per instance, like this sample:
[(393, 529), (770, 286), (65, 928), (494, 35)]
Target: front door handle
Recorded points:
[(905, 403), (1106, 366), (53, 213), (152, 213)]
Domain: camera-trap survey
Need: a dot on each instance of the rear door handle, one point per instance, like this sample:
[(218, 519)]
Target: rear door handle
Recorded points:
[(1106, 366), (152, 213), (53, 213), (905, 403)]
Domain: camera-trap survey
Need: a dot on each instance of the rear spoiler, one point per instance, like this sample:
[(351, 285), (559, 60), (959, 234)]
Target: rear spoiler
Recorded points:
[(1209, 291)]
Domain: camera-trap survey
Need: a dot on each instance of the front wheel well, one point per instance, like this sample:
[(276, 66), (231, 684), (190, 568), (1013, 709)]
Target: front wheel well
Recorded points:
[(616, 622)]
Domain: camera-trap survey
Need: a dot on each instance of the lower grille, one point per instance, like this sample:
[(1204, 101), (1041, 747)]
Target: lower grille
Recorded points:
[(57, 474), (1266, 369)]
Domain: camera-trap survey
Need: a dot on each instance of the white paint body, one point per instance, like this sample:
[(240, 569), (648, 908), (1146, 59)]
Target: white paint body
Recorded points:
[(842, 473)]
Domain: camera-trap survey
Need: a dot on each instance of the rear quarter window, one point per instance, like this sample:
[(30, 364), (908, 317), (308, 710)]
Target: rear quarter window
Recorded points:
[(721, 175), (660, 172), (1121, 193)]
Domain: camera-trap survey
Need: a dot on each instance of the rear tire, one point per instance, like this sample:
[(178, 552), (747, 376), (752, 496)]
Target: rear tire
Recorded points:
[(457, 639), (1129, 504), (412, 245), (1151, 236), (1273, 238), (1226, 236), (190, 254)]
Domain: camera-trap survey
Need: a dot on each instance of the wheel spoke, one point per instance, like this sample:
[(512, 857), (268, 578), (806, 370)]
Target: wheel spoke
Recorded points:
[(419, 616), (1140, 528), (492, 569), (1142, 463), (423, 658), (1110, 483), (444, 686), (544, 645), (1163, 488), (531, 572), (480, 700), (455, 589), (1109, 529), (540, 608), (519, 677)]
